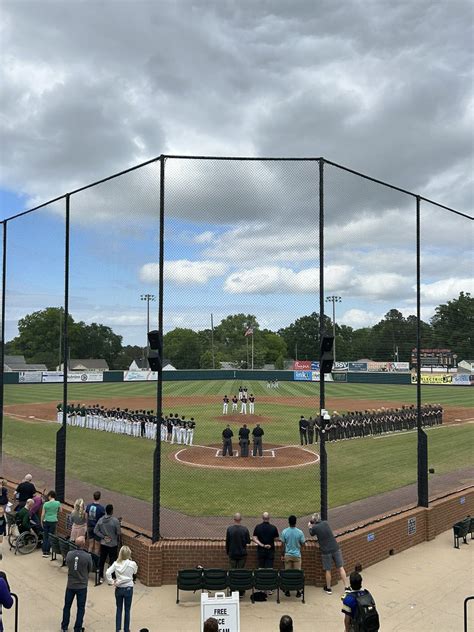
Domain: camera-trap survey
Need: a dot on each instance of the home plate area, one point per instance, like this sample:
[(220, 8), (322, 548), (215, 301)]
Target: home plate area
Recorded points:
[(274, 457)]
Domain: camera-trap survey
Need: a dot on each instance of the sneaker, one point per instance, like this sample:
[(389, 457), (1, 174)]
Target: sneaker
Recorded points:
[(45, 554), (287, 593), (327, 590), (299, 594), (347, 589)]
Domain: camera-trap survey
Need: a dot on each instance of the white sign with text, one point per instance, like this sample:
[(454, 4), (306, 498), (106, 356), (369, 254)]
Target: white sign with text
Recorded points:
[(226, 610)]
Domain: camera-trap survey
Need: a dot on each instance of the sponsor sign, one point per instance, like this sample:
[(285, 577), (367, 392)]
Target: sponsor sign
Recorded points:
[(463, 379), (370, 537), (134, 376), (28, 377), (302, 365), (340, 366), (315, 376), (77, 376), (400, 366), (339, 377), (433, 379), (411, 526), (52, 376), (226, 610), (302, 376), (357, 366), (315, 366)]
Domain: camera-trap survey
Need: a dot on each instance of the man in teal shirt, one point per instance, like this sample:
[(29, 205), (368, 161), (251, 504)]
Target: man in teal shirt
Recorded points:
[(293, 539)]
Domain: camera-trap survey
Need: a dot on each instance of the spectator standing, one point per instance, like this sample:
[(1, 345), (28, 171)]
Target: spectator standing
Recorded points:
[(49, 520), (286, 623), (330, 550), (264, 536), (3, 528), (4, 494), (108, 531), (358, 607), (236, 540), (25, 490), (79, 565), (125, 569), (6, 600), (79, 522), (94, 512), (293, 539)]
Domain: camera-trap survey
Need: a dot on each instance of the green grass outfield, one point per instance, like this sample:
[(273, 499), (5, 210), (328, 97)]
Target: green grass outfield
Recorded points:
[(123, 464)]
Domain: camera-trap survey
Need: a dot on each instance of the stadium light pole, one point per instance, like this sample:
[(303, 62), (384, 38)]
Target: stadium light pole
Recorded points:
[(147, 298), (334, 300)]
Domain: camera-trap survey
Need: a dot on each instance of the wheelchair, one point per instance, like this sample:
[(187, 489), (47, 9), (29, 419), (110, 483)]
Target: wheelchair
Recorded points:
[(22, 542)]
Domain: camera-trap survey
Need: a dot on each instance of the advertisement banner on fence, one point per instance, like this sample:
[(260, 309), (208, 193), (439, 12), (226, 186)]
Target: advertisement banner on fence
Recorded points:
[(302, 376), (433, 379), (135, 376), (357, 366), (77, 376), (463, 379), (315, 376), (339, 377), (28, 377), (340, 366), (52, 376), (314, 366), (302, 365), (399, 366)]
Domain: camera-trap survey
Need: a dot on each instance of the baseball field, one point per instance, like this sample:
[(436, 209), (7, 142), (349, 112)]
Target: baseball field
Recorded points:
[(198, 481)]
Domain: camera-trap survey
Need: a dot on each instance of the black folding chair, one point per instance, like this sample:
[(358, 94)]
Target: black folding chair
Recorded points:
[(215, 579), (188, 579), (266, 579), (240, 579), (292, 579)]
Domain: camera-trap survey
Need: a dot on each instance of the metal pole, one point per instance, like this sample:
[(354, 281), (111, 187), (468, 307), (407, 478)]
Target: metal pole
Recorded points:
[(252, 350), (323, 466), (2, 351), (147, 317), (212, 343), (60, 473), (422, 447), (334, 326), (159, 382)]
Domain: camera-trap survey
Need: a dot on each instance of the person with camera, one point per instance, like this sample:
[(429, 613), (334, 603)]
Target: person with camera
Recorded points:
[(330, 550)]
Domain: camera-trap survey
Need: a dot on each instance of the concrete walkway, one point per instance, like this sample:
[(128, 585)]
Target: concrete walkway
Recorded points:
[(419, 590), (177, 525)]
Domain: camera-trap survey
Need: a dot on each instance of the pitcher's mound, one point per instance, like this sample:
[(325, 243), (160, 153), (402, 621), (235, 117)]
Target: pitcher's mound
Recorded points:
[(274, 457)]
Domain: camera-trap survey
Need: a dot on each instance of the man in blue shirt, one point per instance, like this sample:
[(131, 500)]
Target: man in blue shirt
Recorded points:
[(349, 605), (293, 539)]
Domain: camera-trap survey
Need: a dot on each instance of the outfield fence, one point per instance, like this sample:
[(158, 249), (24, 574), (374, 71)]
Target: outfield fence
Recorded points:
[(248, 260)]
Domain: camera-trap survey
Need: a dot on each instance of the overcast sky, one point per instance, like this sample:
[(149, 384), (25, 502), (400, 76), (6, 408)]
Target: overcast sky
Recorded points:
[(90, 88)]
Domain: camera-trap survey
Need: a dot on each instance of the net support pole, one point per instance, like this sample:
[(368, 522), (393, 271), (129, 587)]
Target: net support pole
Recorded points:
[(159, 383), (2, 350), (60, 469), (422, 444), (323, 464)]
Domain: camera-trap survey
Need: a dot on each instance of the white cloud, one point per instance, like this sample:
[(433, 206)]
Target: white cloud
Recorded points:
[(358, 318), (183, 271), (445, 289), (204, 238)]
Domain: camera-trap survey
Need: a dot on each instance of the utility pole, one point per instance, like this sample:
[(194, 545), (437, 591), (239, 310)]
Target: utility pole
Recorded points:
[(147, 298), (334, 300)]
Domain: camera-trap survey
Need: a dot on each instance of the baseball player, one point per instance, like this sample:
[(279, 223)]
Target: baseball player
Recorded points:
[(225, 405), (234, 404), (243, 405), (252, 404)]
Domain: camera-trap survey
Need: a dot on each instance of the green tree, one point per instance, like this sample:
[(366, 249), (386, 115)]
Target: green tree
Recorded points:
[(183, 348), (453, 326), (302, 336)]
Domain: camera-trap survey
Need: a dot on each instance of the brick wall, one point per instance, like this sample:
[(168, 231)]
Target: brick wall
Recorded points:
[(158, 563)]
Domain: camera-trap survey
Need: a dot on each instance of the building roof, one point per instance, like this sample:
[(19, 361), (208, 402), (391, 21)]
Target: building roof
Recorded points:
[(88, 363), (18, 363)]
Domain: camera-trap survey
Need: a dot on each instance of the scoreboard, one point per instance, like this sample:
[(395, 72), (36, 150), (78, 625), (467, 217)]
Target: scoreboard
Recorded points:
[(435, 358)]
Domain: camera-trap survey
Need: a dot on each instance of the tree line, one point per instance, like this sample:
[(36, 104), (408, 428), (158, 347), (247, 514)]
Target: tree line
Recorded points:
[(392, 338)]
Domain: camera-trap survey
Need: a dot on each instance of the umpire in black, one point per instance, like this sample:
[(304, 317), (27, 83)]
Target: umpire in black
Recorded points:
[(244, 434), (257, 434), (227, 435), (303, 427)]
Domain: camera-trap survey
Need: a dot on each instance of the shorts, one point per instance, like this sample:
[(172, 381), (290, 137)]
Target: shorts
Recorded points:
[(91, 535), (329, 557), (291, 561)]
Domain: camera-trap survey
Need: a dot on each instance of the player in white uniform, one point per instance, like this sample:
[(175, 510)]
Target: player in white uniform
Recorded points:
[(190, 431), (252, 404), (225, 405), (234, 404), (243, 405)]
